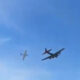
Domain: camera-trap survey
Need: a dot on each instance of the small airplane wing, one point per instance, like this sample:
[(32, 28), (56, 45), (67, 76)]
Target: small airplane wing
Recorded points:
[(23, 57), (21, 54), (24, 54)]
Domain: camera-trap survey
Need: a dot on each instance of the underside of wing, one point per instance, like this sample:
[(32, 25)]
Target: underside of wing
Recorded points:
[(23, 57), (21, 54), (46, 58), (59, 52)]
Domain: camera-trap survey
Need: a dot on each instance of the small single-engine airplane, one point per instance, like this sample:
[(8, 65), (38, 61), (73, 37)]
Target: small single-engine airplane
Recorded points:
[(47, 51), (55, 55), (24, 54)]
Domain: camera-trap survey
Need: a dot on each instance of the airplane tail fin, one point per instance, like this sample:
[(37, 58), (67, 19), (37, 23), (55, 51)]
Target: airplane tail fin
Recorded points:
[(47, 51)]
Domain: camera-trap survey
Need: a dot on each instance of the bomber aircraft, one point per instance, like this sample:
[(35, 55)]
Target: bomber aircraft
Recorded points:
[(55, 55), (24, 54)]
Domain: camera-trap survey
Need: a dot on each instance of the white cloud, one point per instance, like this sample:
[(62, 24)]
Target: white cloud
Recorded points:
[(6, 17), (4, 40), (10, 73)]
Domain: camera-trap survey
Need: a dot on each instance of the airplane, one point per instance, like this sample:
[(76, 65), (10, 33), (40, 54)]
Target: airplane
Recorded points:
[(24, 54), (47, 51), (55, 55)]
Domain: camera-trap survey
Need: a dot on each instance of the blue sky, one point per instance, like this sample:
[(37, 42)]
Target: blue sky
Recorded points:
[(34, 25)]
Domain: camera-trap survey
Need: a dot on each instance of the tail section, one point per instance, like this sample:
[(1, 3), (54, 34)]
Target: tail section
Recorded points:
[(47, 51)]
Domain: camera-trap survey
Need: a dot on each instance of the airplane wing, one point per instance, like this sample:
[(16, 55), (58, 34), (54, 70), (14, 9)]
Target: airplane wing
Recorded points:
[(23, 57), (49, 57), (25, 53), (21, 54), (58, 52)]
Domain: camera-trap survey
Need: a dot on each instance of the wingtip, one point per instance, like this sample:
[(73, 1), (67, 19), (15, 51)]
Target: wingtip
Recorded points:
[(42, 60), (63, 48)]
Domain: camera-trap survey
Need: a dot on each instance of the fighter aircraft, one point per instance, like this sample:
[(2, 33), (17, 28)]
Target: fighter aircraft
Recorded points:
[(24, 54), (47, 51), (55, 55)]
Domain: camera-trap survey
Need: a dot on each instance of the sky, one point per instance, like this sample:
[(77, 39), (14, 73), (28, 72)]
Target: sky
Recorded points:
[(34, 25)]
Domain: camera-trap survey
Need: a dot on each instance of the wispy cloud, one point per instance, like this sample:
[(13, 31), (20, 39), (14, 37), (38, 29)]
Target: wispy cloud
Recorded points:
[(11, 73), (6, 17), (4, 40)]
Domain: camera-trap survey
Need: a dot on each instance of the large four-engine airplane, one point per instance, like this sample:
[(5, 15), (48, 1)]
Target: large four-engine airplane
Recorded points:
[(55, 55), (24, 54)]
